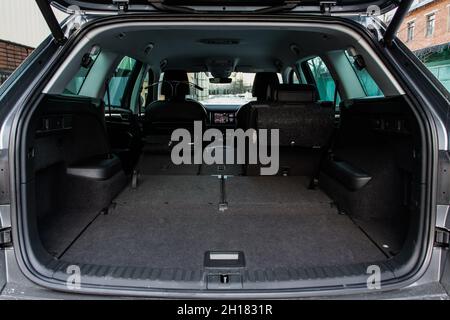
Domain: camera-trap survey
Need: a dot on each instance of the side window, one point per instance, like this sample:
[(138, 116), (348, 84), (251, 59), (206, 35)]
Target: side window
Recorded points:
[(369, 86), (88, 61), (142, 90), (119, 82), (293, 78), (442, 73), (322, 78), (146, 92), (280, 77)]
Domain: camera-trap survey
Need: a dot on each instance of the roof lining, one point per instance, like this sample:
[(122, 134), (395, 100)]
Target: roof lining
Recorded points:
[(349, 36)]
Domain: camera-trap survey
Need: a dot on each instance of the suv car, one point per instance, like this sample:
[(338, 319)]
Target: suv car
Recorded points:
[(352, 199)]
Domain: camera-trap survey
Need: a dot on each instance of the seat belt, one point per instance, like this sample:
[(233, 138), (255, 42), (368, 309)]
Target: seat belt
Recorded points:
[(337, 123), (328, 147), (337, 116), (108, 97)]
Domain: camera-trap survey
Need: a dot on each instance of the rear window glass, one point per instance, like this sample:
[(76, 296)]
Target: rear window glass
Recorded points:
[(293, 78), (369, 86), (442, 73), (238, 92), (119, 81), (75, 85)]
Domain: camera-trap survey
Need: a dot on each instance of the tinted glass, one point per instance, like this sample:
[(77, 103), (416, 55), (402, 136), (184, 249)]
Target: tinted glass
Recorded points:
[(119, 81), (75, 85), (370, 88), (323, 79)]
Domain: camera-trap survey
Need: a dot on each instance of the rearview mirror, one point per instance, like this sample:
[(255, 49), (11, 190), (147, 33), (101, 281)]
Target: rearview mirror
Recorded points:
[(220, 80)]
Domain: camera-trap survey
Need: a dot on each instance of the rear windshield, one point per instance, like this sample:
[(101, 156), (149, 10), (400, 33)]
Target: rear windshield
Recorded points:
[(238, 92)]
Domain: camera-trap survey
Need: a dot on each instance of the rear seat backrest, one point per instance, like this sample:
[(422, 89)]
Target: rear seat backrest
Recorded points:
[(77, 130), (301, 120), (292, 93)]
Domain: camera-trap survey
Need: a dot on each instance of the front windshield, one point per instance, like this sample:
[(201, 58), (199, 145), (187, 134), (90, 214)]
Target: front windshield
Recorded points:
[(238, 92)]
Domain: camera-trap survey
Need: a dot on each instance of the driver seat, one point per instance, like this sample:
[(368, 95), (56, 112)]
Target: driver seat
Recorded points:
[(162, 117)]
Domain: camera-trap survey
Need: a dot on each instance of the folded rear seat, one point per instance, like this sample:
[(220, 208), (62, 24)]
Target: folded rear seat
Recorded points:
[(305, 127), (88, 152), (71, 141)]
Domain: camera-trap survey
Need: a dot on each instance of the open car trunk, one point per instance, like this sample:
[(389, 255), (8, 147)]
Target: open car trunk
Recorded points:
[(182, 223), (134, 219)]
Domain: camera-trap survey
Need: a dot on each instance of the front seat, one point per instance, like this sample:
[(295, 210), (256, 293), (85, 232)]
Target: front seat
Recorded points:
[(261, 86), (162, 117)]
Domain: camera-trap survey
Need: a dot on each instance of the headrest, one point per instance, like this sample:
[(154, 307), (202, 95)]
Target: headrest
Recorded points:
[(175, 84), (264, 80), (295, 93)]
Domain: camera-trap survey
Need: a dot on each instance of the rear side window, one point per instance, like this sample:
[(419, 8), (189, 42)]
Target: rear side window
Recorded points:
[(75, 85), (119, 82), (322, 78), (369, 86), (293, 78), (442, 72), (146, 90)]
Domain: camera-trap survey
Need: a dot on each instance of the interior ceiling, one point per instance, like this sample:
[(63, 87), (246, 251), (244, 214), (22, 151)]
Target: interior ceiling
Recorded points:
[(250, 50)]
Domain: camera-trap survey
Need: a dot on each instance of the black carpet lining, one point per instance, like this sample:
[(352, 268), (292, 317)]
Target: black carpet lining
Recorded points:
[(171, 221)]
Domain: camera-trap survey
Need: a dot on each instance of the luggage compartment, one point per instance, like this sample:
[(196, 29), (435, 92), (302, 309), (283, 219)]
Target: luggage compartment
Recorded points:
[(172, 221)]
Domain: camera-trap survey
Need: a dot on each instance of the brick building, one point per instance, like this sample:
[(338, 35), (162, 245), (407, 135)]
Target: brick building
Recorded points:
[(426, 31), (11, 56), (427, 24), (22, 29)]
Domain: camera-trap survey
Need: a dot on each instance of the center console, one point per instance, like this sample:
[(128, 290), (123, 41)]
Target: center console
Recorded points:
[(222, 116)]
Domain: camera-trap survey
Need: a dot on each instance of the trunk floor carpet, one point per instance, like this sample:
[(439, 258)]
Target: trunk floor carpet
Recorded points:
[(171, 221), (58, 231)]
